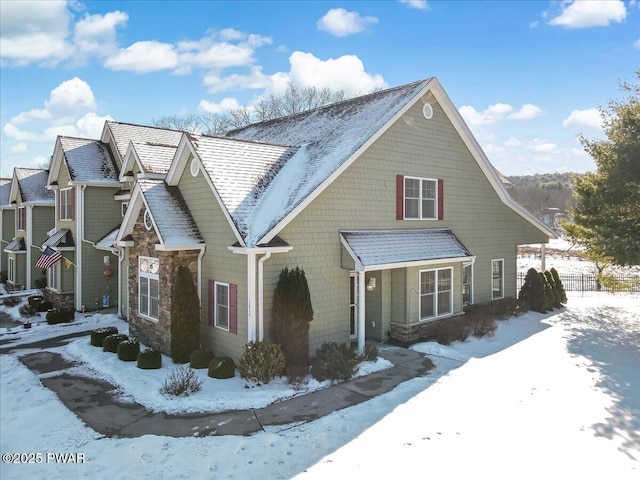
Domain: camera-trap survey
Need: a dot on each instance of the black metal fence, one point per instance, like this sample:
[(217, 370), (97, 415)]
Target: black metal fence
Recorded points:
[(588, 282)]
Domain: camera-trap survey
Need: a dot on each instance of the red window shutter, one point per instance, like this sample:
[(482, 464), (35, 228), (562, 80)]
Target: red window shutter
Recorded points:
[(233, 308), (211, 301), (440, 199), (73, 203), (399, 197)]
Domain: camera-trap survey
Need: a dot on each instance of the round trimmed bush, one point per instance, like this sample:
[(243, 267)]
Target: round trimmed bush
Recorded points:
[(149, 359), (200, 358), (98, 335), (221, 367), (111, 342), (128, 350)]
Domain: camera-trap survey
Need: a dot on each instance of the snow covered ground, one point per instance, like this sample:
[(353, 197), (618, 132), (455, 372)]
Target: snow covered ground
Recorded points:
[(548, 396)]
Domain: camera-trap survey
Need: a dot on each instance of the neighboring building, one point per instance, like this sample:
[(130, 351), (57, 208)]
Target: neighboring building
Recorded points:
[(84, 176), (7, 222), (386, 201), (33, 207)]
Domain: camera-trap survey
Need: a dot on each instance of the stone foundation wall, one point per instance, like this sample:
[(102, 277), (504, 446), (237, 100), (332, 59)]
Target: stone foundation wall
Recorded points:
[(408, 334), (60, 300)]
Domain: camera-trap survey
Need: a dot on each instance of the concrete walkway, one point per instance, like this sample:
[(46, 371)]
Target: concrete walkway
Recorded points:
[(96, 402)]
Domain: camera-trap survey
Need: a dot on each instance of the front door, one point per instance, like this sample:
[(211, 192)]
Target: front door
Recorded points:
[(353, 306)]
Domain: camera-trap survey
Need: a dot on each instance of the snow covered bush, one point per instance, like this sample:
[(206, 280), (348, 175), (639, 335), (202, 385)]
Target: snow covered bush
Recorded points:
[(261, 362), (182, 382), (335, 362)]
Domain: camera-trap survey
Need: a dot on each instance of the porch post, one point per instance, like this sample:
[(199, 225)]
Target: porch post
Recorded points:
[(361, 309), (251, 296), (543, 257)]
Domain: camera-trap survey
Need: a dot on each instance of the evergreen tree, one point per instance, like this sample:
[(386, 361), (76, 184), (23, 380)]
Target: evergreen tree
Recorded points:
[(548, 292), (554, 290), (532, 295), (559, 286), (292, 312), (185, 316)]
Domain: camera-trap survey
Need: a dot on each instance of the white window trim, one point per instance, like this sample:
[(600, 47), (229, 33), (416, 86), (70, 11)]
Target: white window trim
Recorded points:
[(11, 270), (435, 295), (215, 306), (470, 264), (21, 217), (404, 196), (149, 276), (53, 277), (123, 208), (64, 206), (501, 260)]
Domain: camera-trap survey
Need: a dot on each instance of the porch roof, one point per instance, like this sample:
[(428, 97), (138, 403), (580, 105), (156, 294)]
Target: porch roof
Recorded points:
[(384, 249), (60, 238), (16, 245)]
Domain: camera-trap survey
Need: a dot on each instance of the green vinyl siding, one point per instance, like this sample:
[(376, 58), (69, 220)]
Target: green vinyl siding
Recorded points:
[(101, 213), (8, 232), (20, 272)]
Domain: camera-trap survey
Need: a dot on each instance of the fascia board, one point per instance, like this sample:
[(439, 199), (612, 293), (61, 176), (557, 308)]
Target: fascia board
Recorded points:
[(259, 250), (56, 159), (418, 263), (15, 189), (331, 178), (129, 159), (175, 248), (358, 265)]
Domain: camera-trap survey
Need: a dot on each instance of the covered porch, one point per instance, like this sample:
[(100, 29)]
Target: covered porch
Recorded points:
[(401, 280)]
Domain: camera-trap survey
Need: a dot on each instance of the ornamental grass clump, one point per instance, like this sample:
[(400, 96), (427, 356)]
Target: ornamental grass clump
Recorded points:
[(261, 362), (182, 382)]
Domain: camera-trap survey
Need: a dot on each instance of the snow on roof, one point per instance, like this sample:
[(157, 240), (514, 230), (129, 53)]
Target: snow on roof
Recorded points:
[(330, 135), (170, 213), (241, 170), (123, 133), (108, 240), (385, 247), (88, 160), (60, 238), (5, 190), (32, 183), (155, 158)]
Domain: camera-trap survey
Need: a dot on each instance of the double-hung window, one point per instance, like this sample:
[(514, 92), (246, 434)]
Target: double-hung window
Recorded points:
[(54, 276), (22, 218), (11, 271), (467, 284), (148, 287), (221, 304), (497, 279), (420, 198), (436, 294), (66, 204)]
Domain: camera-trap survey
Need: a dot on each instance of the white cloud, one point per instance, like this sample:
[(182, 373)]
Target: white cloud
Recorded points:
[(254, 81), (340, 23), (512, 142), (226, 105), (542, 147), (144, 57), (491, 114), (418, 4), (96, 34), (526, 112), (636, 44), (592, 13), (19, 148), (34, 32), (589, 118)]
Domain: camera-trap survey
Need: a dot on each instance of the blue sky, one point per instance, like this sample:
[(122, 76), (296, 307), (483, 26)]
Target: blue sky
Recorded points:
[(527, 76)]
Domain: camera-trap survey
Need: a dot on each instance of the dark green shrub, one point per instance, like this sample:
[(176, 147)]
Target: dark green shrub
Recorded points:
[(45, 306), (335, 362), (532, 294), (182, 382), (3, 276), (200, 359), (555, 294), (561, 292), (221, 367), (98, 335), (149, 359), (548, 292), (292, 312), (60, 315), (35, 301), (128, 350), (369, 353), (185, 316), (447, 330), (110, 343), (261, 362)]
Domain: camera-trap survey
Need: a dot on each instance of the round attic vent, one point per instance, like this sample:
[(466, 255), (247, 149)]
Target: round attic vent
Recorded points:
[(427, 111), (194, 168), (148, 223)]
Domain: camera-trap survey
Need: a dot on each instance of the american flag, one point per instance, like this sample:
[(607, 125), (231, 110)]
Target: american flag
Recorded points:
[(48, 258)]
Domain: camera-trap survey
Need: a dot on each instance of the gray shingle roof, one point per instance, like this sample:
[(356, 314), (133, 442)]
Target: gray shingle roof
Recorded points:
[(5, 190), (155, 158), (32, 183), (384, 247), (123, 133), (60, 238), (326, 138), (170, 213), (16, 245), (88, 160)]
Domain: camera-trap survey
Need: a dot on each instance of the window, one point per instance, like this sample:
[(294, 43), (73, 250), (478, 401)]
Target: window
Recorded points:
[(22, 218), (148, 287), (66, 204), (497, 279), (467, 284), (11, 271), (419, 198), (436, 294), (54, 276), (221, 303), (124, 207)]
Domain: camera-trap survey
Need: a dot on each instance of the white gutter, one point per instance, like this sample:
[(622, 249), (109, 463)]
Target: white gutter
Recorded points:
[(261, 295), (80, 236), (361, 312)]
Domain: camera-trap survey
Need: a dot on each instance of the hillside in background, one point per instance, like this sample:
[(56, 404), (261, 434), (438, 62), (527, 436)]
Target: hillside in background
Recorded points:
[(548, 196)]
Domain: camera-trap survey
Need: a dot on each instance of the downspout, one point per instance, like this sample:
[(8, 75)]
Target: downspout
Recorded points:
[(261, 295), (251, 296), (200, 255), (361, 310), (543, 255), (119, 252), (29, 228), (80, 237)]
